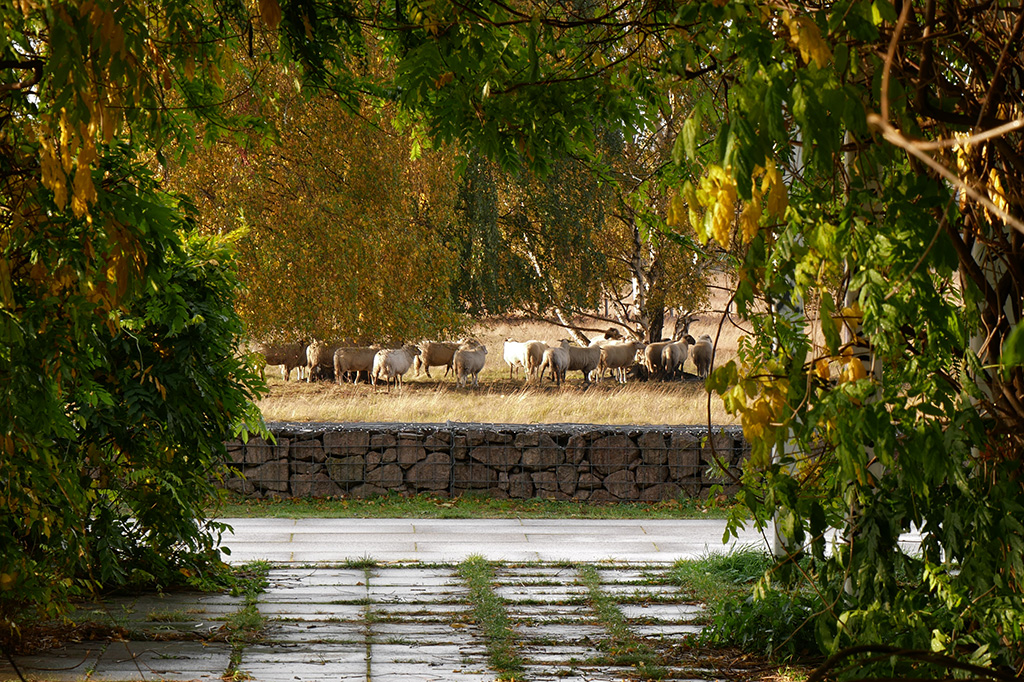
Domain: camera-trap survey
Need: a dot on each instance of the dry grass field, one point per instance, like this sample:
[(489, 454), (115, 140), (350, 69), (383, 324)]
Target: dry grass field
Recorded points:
[(500, 400)]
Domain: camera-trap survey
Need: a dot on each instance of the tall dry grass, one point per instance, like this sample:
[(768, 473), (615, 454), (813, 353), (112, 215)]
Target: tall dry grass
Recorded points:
[(500, 400), (441, 400)]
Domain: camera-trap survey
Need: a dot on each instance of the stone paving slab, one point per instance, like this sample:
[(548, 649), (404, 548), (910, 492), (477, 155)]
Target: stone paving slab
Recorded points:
[(319, 576), (277, 663), (417, 632), (662, 613), (324, 594), (69, 662), (162, 661), (306, 611), (316, 631), (547, 593)]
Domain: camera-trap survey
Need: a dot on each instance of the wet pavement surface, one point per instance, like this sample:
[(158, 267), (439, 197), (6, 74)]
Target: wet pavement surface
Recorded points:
[(387, 623), (396, 609)]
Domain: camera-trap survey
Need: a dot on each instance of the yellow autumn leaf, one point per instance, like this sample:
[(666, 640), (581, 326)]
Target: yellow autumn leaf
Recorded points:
[(676, 210), (717, 193), (805, 35), (778, 196), (996, 192), (6, 287), (757, 419), (823, 369), (750, 219), (84, 190), (7, 581), (690, 196), (853, 372)]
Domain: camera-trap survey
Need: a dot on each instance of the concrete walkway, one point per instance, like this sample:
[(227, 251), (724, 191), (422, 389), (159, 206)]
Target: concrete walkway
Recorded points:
[(333, 541)]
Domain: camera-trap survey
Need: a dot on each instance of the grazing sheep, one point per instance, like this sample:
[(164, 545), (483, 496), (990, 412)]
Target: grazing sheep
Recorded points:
[(469, 360), (392, 363), (674, 355), (556, 359), (435, 354), (319, 360), (618, 356), (288, 355), (585, 360), (703, 354), (353, 360)]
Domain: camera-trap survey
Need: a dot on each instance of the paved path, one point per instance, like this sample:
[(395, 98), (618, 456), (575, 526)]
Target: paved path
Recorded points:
[(313, 541), (381, 600)]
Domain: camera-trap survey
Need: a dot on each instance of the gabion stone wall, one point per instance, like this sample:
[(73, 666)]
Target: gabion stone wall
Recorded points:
[(581, 462)]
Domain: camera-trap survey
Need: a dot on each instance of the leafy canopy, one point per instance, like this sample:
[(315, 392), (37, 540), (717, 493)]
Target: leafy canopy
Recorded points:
[(861, 161)]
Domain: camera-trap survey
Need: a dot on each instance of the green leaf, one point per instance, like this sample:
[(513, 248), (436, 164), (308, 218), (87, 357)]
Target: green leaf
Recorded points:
[(689, 135), (1013, 348)]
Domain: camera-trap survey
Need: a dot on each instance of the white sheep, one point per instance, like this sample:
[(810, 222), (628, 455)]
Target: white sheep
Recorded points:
[(585, 360), (514, 353), (703, 354), (353, 359), (654, 359), (556, 359), (618, 356), (469, 360), (392, 363), (534, 357), (525, 354), (674, 355)]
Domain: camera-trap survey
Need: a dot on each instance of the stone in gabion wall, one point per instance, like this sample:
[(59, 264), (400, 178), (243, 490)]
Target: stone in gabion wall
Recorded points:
[(580, 462)]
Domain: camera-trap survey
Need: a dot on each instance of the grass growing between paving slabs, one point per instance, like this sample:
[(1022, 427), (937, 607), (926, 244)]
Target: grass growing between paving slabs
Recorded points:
[(491, 617), (247, 625), (465, 507), (624, 647)]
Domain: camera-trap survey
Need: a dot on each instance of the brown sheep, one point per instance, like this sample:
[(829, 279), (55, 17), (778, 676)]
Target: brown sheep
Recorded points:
[(319, 360), (353, 359), (435, 354), (654, 359), (288, 355)]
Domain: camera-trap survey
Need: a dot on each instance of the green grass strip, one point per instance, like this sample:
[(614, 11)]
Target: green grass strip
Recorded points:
[(624, 647), (246, 626), (426, 506), (492, 617)]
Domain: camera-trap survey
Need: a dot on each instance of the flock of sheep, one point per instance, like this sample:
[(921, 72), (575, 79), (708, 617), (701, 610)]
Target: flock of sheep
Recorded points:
[(466, 358)]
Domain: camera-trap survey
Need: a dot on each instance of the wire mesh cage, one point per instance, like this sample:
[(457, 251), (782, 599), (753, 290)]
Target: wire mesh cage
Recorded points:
[(561, 461)]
